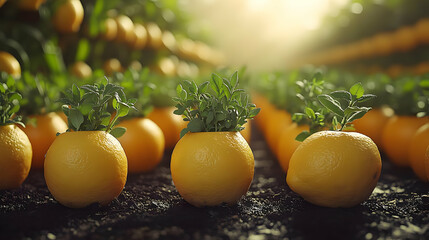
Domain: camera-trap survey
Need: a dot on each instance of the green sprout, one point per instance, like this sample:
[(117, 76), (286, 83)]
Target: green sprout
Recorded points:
[(225, 108), (86, 107)]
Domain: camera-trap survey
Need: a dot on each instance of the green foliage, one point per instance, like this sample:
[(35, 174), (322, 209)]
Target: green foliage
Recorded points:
[(9, 101), (343, 105), (137, 85), (407, 95), (217, 105), (313, 113), (86, 107), (38, 92)]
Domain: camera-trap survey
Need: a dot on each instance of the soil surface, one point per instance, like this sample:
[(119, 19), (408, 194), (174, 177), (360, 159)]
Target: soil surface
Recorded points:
[(151, 208)]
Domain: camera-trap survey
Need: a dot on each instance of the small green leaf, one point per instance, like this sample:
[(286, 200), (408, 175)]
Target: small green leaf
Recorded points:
[(183, 132), (203, 87), (195, 125), (366, 97), (254, 112), (75, 118), (234, 79), (216, 84), (117, 132), (357, 115), (302, 136), (76, 93), (310, 113), (357, 90), (341, 95), (331, 104)]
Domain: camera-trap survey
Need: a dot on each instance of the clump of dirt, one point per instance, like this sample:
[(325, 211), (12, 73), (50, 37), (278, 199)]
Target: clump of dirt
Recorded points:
[(151, 208)]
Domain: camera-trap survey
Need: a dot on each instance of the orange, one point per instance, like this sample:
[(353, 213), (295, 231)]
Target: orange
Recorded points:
[(421, 30), (111, 66), (266, 108), (15, 160), (166, 67), (110, 29), (247, 131), (169, 41), (2, 2), (404, 39), (9, 64), (211, 168), (417, 150), (421, 68), (81, 70), (125, 29), (279, 120), (85, 167), (139, 39), (43, 134), (335, 169), (383, 44), (397, 135), (68, 17), (372, 123), (170, 124), (287, 144), (30, 5), (154, 34), (135, 65), (143, 143)]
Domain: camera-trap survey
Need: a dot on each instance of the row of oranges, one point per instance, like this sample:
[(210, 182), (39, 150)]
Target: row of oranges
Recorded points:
[(383, 44), (404, 139), (68, 18)]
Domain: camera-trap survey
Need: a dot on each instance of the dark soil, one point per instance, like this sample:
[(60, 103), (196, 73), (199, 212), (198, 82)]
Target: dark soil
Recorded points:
[(151, 208)]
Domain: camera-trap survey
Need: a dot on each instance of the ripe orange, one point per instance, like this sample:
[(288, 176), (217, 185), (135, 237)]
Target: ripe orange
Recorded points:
[(143, 143), (279, 120), (110, 29), (43, 134), (169, 41), (417, 150), (68, 17), (81, 70), (404, 39), (211, 168), (139, 37), (166, 67), (170, 124), (15, 160), (125, 28), (9, 64), (111, 66), (266, 108), (154, 35), (397, 135), (335, 169), (383, 44), (247, 131), (2, 2), (287, 144), (30, 5), (421, 30), (85, 167), (372, 123)]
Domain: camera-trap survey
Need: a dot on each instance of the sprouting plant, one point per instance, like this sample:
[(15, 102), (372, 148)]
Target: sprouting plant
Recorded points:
[(9, 101), (314, 113), (137, 85), (225, 108), (86, 107), (344, 105)]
